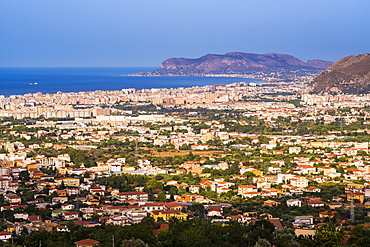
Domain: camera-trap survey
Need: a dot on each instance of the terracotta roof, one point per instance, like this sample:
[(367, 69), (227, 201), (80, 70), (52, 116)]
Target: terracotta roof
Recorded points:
[(163, 226), (276, 222), (133, 193), (5, 233), (87, 242), (247, 186)]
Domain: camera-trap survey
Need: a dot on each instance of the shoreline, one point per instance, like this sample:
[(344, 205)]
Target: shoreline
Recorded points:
[(144, 74), (262, 82)]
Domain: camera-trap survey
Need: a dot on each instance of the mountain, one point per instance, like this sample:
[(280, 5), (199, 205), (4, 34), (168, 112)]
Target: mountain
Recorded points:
[(320, 64), (237, 63), (349, 75)]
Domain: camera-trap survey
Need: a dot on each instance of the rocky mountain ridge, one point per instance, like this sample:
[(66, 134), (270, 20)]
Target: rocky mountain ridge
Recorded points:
[(237, 63), (350, 75)]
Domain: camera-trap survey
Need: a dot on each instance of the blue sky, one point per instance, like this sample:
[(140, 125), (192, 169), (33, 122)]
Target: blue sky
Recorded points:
[(145, 32)]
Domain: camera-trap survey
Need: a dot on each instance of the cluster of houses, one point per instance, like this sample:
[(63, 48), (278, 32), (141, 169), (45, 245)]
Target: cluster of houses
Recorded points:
[(293, 165)]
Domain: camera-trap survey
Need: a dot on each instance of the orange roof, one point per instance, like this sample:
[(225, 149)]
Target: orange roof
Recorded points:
[(87, 242), (305, 166), (247, 186)]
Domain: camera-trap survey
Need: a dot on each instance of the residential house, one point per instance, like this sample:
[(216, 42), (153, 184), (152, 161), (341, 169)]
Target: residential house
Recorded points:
[(23, 216), (70, 215), (300, 221), (87, 243), (135, 216), (12, 198), (271, 203), (168, 214), (62, 229), (242, 189), (119, 220), (312, 189), (73, 190), (353, 188), (68, 181), (67, 206), (305, 169), (174, 206), (251, 194), (148, 207), (61, 193), (214, 211), (35, 219), (327, 214), (316, 203), (4, 183), (294, 203), (335, 205), (356, 196), (59, 199), (299, 181), (137, 195), (4, 236), (294, 150)]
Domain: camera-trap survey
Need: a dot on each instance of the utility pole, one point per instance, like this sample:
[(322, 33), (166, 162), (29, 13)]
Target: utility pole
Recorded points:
[(112, 240), (352, 211), (77, 202)]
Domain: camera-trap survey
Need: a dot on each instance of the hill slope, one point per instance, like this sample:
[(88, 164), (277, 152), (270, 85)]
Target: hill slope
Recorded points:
[(349, 75)]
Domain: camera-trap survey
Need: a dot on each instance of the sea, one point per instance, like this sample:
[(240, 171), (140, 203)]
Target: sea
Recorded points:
[(19, 81)]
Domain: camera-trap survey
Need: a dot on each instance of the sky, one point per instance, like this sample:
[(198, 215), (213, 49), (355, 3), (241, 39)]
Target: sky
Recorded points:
[(115, 33)]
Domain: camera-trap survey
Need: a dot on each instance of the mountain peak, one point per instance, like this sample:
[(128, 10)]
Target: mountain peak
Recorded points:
[(349, 75), (237, 63)]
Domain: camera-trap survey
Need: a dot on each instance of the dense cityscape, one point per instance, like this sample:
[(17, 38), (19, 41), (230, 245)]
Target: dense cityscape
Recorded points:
[(184, 123), (242, 164)]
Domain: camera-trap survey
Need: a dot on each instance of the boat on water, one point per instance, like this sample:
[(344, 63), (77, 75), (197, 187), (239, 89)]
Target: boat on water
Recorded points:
[(32, 83)]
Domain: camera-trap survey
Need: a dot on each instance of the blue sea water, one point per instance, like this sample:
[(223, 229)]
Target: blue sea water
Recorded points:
[(15, 81)]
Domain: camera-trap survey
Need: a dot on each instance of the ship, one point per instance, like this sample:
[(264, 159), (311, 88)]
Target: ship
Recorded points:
[(32, 83)]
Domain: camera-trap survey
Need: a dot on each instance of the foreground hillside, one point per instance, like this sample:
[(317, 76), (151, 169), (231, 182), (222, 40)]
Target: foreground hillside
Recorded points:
[(349, 75)]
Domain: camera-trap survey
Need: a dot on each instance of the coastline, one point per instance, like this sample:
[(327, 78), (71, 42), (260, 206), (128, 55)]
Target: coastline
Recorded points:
[(13, 81), (145, 74)]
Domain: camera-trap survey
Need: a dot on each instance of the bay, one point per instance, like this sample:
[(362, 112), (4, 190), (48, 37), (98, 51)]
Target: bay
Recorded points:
[(18, 81)]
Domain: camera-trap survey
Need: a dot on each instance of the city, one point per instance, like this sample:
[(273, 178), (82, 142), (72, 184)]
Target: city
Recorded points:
[(205, 123), (235, 152)]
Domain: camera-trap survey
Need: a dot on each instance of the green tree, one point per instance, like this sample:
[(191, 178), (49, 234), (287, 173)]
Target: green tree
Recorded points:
[(161, 196), (134, 243), (262, 243), (360, 236), (328, 236), (264, 139)]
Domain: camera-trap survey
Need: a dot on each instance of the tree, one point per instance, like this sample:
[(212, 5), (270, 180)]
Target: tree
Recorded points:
[(234, 169), (360, 236), (262, 243), (264, 139), (161, 196), (134, 243), (62, 186), (196, 208), (328, 236), (24, 176)]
